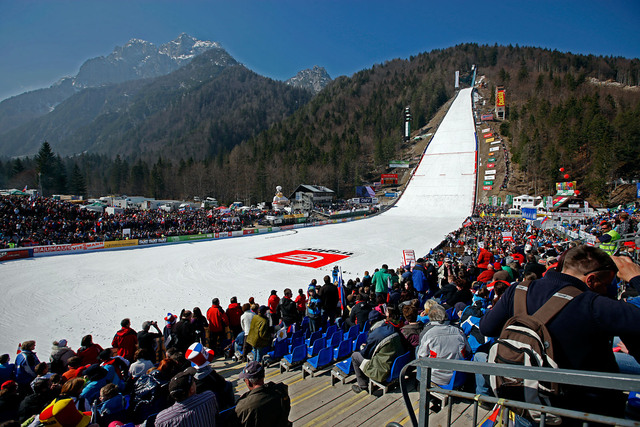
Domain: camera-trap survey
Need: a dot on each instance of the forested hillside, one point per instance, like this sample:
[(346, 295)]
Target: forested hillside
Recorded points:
[(563, 110)]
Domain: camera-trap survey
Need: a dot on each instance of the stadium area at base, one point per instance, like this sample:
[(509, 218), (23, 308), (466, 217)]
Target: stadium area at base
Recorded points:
[(69, 296)]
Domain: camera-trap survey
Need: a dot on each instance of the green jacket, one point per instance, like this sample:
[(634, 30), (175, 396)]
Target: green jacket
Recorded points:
[(259, 336), (268, 405), (610, 246), (381, 280), (387, 351)]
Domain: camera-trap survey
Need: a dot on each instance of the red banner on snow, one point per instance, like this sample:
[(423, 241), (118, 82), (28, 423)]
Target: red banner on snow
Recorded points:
[(304, 258)]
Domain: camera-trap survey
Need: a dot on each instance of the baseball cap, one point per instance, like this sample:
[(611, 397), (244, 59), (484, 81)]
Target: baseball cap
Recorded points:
[(253, 370), (181, 383)]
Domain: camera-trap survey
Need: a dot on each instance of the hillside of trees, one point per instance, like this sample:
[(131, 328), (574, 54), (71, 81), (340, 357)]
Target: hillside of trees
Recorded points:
[(574, 111)]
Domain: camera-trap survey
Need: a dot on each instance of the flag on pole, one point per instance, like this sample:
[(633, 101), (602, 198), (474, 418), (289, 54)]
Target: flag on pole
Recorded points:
[(24, 190)]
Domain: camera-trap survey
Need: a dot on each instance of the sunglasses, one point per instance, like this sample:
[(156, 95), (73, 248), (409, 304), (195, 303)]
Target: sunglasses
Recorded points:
[(606, 267)]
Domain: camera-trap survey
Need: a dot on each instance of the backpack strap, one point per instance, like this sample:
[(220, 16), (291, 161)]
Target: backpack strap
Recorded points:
[(556, 303), (520, 298)]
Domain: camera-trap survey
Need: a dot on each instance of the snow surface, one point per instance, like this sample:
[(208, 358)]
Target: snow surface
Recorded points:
[(69, 296)]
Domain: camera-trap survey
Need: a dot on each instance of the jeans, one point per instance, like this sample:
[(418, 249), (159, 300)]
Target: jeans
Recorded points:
[(482, 381)]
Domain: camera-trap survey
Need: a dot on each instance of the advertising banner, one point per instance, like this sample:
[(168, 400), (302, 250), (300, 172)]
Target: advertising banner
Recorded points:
[(487, 187), (487, 183), (121, 243), (68, 248), (305, 258), (530, 213), (6, 255), (253, 231), (457, 83), (494, 201), (486, 117), (152, 241), (389, 178), (487, 135), (491, 165), (492, 149), (500, 99), (638, 190), (491, 159), (490, 172), (489, 140), (408, 257), (486, 130), (398, 164), (510, 199)]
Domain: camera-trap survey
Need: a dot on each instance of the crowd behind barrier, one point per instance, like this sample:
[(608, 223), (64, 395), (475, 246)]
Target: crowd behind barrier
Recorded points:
[(395, 312), (40, 221)]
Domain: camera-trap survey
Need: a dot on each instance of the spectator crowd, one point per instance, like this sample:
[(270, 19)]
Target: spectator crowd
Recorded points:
[(452, 303)]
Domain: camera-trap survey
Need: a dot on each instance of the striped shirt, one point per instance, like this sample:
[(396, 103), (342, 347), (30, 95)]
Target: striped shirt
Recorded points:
[(195, 411)]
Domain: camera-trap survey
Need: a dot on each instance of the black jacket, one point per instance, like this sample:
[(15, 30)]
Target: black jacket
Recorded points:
[(288, 311), (582, 331)]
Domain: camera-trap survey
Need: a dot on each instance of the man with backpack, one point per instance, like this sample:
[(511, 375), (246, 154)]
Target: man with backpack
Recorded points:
[(582, 330)]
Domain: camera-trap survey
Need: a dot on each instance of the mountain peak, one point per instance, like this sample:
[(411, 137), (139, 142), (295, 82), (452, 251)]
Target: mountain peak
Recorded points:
[(314, 79)]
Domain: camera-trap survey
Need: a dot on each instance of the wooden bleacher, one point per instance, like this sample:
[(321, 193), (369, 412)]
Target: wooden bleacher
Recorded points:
[(314, 402)]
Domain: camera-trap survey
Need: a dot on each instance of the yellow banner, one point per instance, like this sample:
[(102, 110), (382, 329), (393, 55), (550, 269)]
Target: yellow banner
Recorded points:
[(500, 101), (489, 140), (121, 243)]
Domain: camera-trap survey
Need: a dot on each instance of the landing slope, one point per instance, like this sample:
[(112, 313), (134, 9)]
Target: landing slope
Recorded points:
[(73, 295)]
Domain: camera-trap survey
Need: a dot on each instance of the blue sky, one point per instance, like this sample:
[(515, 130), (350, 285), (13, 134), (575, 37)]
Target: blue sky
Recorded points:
[(44, 40)]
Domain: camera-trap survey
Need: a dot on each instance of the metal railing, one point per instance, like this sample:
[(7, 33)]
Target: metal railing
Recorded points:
[(601, 380)]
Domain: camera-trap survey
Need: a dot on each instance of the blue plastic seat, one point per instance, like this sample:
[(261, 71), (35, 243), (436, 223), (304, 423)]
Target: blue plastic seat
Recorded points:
[(330, 331), (280, 348), (343, 350), (360, 339), (341, 371), (323, 359), (318, 345), (352, 333), (335, 340), (396, 368), (312, 339), (366, 326), (345, 366), (299, 354), (457, 380), (296, 334), (295, 341), (304, 325)]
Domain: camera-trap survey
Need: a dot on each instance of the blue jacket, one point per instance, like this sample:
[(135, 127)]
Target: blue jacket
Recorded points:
[(375, 337), (419, 278), (582, 332), (26, 363), (91, 391), (7, 372)]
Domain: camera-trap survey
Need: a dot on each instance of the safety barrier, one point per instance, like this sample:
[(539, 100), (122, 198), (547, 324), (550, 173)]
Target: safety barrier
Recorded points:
[(561, 376), (49, 250)]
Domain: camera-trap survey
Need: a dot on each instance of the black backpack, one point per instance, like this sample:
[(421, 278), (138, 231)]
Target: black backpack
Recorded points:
[(525, 341)]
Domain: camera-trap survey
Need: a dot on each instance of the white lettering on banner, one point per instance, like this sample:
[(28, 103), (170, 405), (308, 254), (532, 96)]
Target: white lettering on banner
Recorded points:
[(494, 149), (496, 142), (303, 258), (327, 251)]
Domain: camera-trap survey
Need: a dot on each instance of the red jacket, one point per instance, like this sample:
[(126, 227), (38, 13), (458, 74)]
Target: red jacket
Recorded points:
[(273, 302), (126, 342), (234, 312), (486, 276), (301, 303), (90, 354), (484, 258), (217, 318)]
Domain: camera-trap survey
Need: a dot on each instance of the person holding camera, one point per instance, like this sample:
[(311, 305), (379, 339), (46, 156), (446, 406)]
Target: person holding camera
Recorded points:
[(147, 340)]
